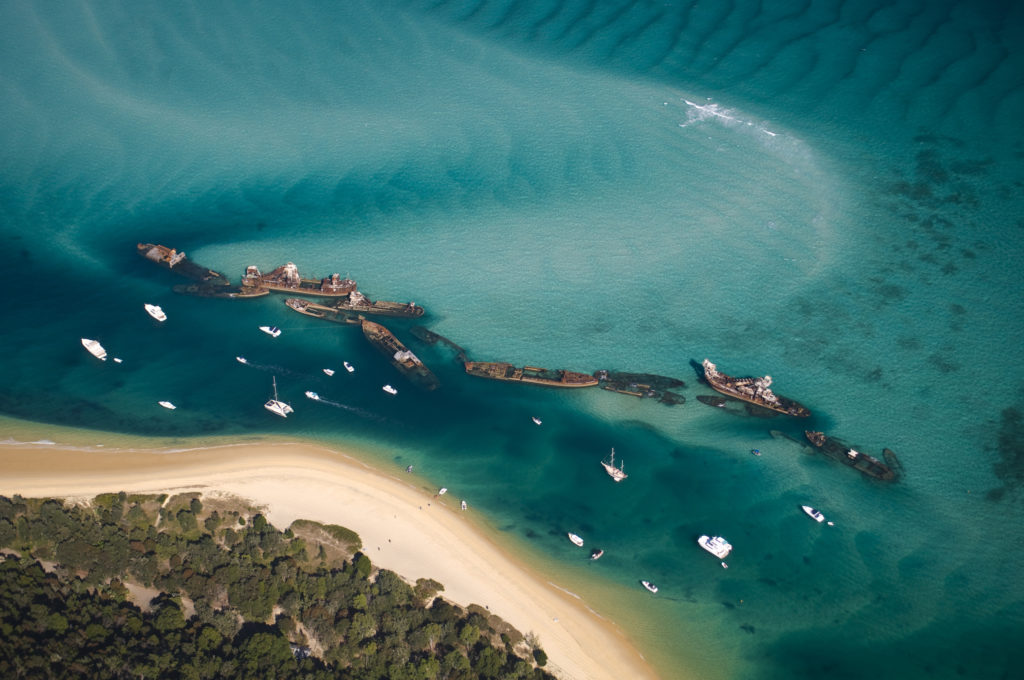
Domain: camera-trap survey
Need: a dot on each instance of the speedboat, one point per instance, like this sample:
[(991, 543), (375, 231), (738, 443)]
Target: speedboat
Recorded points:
[(277, 406), (815, 514), (329, 371), (717, 546), (536, 420), (155, 312), (313, 395), (596, 553), (348, 367), (167, 404), (241, 360), (442, 491), (118, 360), (95, 349), (464, 506), (389, 389), (575, 539), (272, 331), (650, 586)]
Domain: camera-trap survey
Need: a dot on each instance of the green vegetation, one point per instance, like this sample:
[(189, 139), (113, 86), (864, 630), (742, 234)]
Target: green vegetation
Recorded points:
[(229, 596)]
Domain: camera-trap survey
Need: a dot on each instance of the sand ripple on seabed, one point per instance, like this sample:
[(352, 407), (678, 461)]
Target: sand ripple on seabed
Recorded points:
[(922, 58)]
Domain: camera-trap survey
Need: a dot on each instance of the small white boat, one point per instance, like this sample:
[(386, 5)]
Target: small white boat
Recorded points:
[(118, 360), (167, 404), (329, 371), (348, 367), (442, 491), (272, 331), (575, 539), (815, 514), (95, 349), (650, 586), (241, 360), (536, 420), (717, 546), (276, 406), (596, 553), (615, 473), (389, 389), (312, 395), (155, 312), (463, 504)]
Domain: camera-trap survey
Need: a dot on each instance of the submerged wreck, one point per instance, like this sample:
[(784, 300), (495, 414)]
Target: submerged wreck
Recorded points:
[(867, 465), (642, 385), (176, 261)]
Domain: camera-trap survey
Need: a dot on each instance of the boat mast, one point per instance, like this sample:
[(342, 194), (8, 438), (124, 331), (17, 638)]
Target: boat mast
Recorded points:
[(275, 388)]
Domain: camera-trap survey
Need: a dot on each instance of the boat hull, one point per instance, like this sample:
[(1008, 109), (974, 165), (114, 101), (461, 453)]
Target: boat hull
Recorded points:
[(837, 450), (407, 363), (752, 390), (498, 370)]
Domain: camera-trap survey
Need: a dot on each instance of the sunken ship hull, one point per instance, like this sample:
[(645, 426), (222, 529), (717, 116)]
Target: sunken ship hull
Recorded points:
[(641, 385), (210, 290), (286, 279), (752, 390), (867, 465), (407, 363), (175, 261), (499, 370), (322, 311)]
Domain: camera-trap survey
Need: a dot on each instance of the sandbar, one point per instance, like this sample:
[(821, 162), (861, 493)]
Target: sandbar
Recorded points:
[(403, 529)]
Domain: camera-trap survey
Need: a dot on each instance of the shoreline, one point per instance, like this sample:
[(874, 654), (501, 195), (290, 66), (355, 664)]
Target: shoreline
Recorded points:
[(402, 527)]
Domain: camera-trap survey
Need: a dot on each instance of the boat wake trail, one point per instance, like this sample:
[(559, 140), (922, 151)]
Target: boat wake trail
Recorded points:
[(353, 409), (277, 370)]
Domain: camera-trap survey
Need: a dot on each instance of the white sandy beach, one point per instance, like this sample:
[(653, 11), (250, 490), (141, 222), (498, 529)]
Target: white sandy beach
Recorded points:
[(402, 528)]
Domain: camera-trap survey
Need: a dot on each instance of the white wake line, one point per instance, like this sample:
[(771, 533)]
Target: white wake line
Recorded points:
[(712, 109)]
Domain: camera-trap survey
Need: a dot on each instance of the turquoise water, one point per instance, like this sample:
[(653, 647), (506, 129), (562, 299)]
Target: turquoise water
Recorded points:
[(826, 192)]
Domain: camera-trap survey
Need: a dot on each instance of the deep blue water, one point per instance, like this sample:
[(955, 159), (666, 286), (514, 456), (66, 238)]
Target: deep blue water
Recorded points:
[(828, 192)]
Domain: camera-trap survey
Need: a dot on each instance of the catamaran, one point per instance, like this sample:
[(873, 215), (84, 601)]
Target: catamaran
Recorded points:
[(276, 406), (95, 349), (615, 473), (155, 312)]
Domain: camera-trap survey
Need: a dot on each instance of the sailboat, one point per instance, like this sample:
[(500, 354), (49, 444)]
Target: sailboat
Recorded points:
[(615, 473), (276, 406)]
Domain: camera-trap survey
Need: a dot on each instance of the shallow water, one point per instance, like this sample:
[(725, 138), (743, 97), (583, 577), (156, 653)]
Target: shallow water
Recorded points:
[(830, 194)]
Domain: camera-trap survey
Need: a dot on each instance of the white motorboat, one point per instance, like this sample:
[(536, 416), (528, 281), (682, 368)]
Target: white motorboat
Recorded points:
[(277, 406), (596, 553), (118, 360), (463, 505), (167, 404), (815, 514), (272, 331), (155, 312), (442, 491), (95, 349), (575, 539), (389, 389), (241, 360), (348, 367), (615, 473), (312, 395), (650, 586), (536, 420), (329, 371), (717, 546)]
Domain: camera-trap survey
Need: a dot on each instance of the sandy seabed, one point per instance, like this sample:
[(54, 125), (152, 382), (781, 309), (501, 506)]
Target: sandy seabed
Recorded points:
[(402, 528)]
